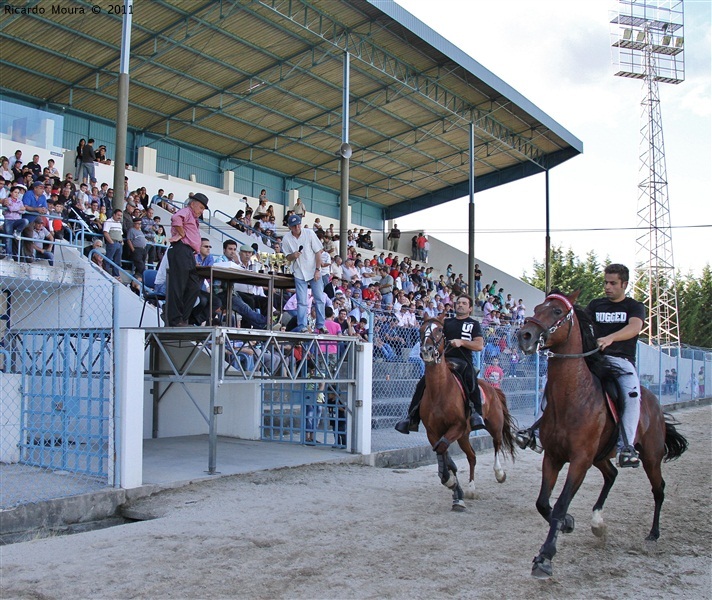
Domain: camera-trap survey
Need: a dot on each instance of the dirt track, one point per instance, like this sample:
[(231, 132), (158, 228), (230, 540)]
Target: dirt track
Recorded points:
[(346, 531)]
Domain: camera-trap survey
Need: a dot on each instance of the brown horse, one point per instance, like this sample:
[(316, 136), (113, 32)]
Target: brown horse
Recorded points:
[(443, 412), (578, 428)]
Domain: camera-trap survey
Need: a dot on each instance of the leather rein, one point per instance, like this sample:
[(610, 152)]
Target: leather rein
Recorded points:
[(569, 316)]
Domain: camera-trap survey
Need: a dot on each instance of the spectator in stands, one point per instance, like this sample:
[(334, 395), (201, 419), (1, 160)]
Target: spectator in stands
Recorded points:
[(159, 197), (269, 225), (521, 312), (101, 156), (35, 201), (43, 241), (407, 326), (385, 286), (128, 217), (394, 238), (88, 159), (113, 237), (6, 170), (136, 241), (250, 317), (78, 159), (261, 208), (35, 167), (299, 209), (349, 271), (14, 222), (494, 373), (98, 258)]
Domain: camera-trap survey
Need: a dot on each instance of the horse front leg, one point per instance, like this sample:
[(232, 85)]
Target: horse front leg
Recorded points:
[(549, 475), (464, 443), (559, 520), (447, 470), (609, 472)]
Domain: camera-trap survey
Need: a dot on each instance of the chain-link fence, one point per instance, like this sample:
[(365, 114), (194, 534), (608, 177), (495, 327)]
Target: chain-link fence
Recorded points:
[(671, 375), (56, 378), (397, 367)]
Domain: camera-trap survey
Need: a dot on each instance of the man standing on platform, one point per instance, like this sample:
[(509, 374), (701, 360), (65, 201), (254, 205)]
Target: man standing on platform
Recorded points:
[(183, 280), (303, 249)]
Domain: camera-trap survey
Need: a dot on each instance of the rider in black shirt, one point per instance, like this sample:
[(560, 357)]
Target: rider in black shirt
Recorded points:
[(464, 336)]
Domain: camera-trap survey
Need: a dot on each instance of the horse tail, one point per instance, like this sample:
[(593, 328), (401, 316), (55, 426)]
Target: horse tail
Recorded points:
[(675, 442), (507, 425)]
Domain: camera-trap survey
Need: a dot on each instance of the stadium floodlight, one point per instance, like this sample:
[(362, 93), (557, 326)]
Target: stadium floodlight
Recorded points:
[(652, 59)]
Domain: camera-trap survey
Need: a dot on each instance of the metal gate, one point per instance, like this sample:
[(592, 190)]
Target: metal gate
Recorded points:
[(305, 413), (65, 408)]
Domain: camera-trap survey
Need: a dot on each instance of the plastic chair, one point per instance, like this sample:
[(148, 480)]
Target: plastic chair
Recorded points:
[(150, 295)]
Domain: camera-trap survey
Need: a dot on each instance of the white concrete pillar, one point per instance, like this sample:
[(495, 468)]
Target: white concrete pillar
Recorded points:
[(147, 159), (363, 401), (228, 182), (292, 199), (129, 421)]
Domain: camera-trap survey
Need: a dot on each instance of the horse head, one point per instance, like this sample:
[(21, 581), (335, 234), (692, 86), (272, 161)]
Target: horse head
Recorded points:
[(544, 329), (432, 340)]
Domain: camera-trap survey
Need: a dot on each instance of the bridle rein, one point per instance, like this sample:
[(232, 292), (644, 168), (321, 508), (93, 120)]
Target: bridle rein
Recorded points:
[(569, 316)]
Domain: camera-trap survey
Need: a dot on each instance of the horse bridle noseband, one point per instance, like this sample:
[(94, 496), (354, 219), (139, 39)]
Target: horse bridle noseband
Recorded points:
[(569, 316)]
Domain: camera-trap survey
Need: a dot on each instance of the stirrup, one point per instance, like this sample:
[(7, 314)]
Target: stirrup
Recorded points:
[(476, 421), (628, 458), (526, 438)]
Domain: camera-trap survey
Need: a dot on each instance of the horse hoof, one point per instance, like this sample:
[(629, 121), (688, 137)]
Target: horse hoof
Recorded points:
[(501, 477), (652, 537), (469, 492), (598, 526), (599, 530), (568, 525), (541, 569), (458, 506)]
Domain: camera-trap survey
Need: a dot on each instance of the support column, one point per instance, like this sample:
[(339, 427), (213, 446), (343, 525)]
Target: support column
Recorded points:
[(129, 420), (471, 219), (122, 106), (547, 242), (345, 154)]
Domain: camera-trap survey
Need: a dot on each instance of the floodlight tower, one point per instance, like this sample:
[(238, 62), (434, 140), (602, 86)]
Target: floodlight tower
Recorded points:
[(648, 44)]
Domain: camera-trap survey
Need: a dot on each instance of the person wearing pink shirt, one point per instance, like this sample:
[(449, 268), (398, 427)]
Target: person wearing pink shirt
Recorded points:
[(183, 281)]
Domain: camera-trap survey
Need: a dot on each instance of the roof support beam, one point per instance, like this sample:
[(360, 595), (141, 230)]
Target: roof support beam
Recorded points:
[(360, 47)]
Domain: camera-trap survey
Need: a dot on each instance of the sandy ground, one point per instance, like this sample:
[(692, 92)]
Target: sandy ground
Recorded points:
[(348, 531)]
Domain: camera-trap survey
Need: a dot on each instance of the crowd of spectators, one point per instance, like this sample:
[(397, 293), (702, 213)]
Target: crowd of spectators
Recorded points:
[(399, 290)]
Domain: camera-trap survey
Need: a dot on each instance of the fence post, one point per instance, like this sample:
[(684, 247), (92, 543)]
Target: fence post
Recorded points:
[(362, 400)]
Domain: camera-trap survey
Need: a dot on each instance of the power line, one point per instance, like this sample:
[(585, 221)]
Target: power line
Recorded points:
[(560, 230)]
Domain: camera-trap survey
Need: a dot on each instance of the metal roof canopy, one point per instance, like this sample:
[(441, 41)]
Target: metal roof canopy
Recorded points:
[(260, 83)]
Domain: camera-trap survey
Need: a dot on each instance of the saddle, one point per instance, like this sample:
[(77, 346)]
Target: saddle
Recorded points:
[(466, 390)]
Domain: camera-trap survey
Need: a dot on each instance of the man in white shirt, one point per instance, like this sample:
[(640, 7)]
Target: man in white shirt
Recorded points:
[(337, 269), (303, 249), (253, 295)]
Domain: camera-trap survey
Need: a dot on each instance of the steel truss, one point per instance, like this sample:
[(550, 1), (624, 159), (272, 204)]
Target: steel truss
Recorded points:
[(240, 356)]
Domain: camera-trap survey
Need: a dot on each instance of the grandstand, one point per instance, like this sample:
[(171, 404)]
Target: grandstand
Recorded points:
[(414, 97)]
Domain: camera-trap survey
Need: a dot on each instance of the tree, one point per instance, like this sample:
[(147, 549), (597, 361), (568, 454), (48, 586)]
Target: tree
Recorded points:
[(694, 307), (694, 296), (569, 273)]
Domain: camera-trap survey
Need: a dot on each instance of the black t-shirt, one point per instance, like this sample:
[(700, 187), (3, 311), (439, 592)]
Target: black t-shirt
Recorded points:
[(609, 317), (461, 329)]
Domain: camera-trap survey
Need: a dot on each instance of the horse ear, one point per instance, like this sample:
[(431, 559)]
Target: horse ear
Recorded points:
[(441, 317), (574, 296)]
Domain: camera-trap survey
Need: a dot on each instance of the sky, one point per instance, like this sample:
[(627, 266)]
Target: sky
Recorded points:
[(557, 54)]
